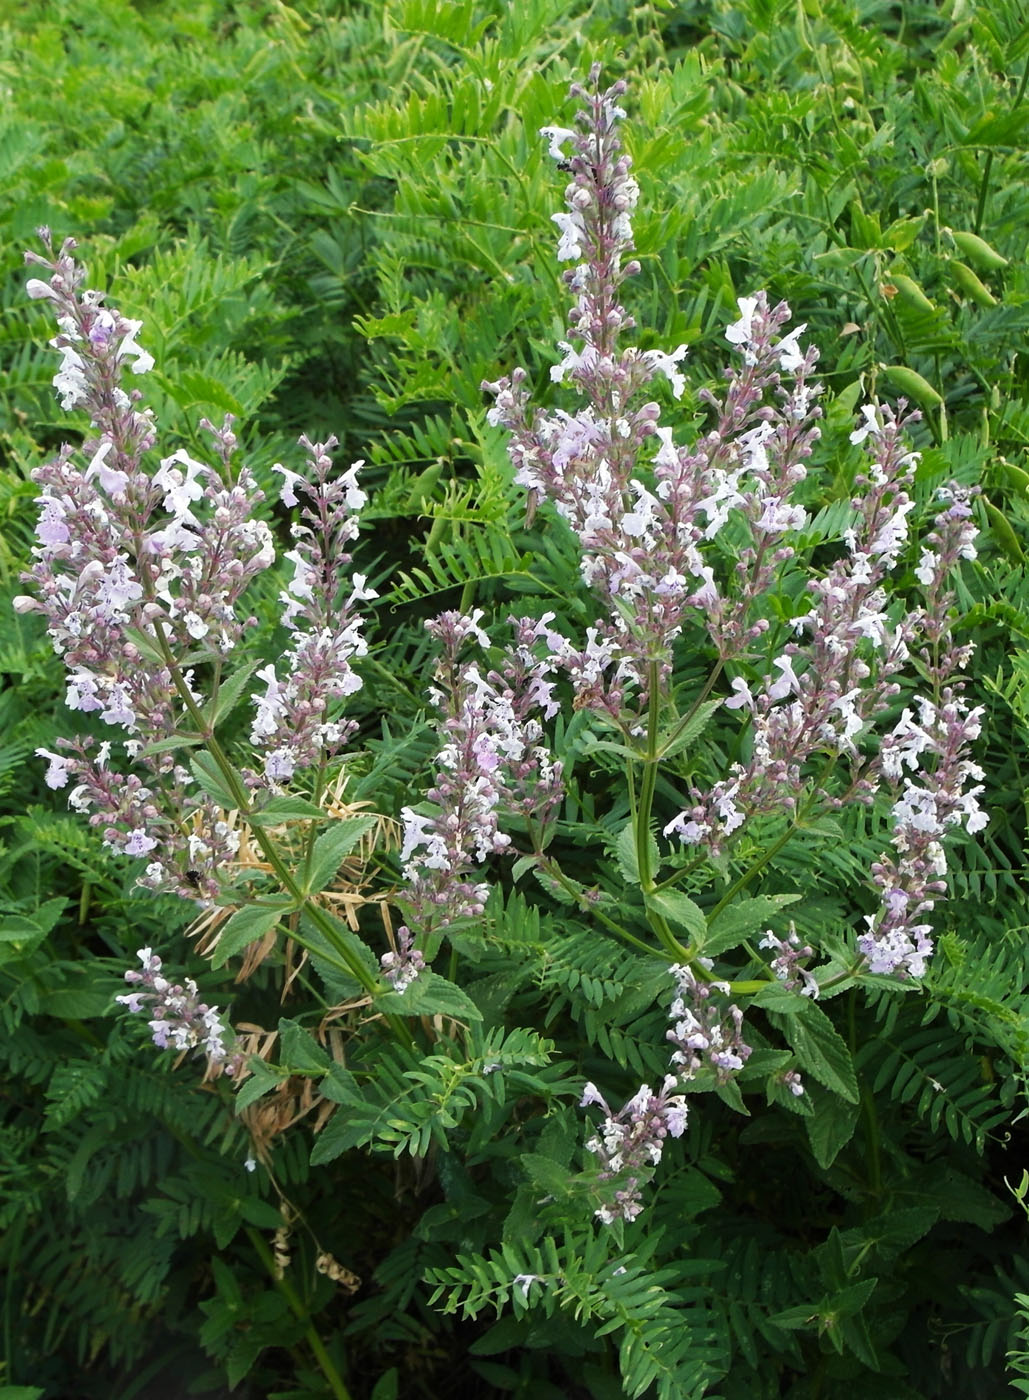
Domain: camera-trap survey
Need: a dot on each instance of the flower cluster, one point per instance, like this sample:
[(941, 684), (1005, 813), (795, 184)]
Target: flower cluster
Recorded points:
[(934, 799), (179, 1019), (292, 723), (405, 964), (491, 762), (705, 531), (821, 693), (630, 1142), (642, 536), (790, 952), (704, 1033), (140, 574)]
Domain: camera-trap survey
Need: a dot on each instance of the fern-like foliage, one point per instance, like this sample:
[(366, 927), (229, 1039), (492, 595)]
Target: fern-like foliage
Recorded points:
[(662, 1340)]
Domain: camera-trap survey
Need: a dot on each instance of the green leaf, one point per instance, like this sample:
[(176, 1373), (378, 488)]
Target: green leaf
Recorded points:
[(820, 1049), (551, 1178), (386, 1387), (286, 809), (773, 996), (145, 644), (625, 853), (21, 928), (738, 921), (20, 1392), (177, 741), (76, 1003), (335, 948), (230, 692), (680, 910), (431, 995), (210, 778), (260, 1213), (263, 1078), (251, 922), (332, 846), (830, 1127), (340, 1086), (675, 740), (299, 1052), (610, 746)]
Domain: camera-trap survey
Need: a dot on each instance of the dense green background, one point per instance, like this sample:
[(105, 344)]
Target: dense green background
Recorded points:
[(336, 217)]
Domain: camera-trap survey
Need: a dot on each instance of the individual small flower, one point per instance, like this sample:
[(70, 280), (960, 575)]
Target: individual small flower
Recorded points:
[(523, 1282), (60, 766)]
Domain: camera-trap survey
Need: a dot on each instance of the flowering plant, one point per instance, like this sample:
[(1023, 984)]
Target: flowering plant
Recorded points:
[(832, 681)]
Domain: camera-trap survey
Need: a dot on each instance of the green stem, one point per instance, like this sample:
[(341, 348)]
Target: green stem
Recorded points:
[(555, 872), (867, 1104), (755, 869), (776, 846), (984, 183), (314, 1341), (644, 810), (648, 784)]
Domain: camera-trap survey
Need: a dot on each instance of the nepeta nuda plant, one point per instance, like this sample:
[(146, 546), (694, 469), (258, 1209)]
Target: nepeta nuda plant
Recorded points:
[(677, 540), (681, 546), (140, 574)]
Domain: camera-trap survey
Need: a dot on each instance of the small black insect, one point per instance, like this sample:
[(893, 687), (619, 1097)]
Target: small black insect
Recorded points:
[(193, 876)]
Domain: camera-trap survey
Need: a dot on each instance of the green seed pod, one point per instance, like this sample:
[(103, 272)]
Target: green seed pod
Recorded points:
[(969, 285), (978, 251), (908, 290), (910, 382)]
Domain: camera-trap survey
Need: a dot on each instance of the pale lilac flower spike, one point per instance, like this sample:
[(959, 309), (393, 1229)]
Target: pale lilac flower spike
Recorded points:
[(179, 1019)]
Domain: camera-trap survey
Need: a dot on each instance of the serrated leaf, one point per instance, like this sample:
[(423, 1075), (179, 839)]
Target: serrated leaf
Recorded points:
[(548, 1175), (830, 1127), (286, 809), (773, 996), (145, 644), (340, 1086), (738, 921), (610, 746), (342, 1132), (332, 846), (263, 1078), (210, 778), (177, 741), (230, 692), (625, 853), (344, 943), (681, 911), (430, 995), (820, 1049), (15, 928), (676, 739), (730, 1094), (248, 924), (299, 1052)]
